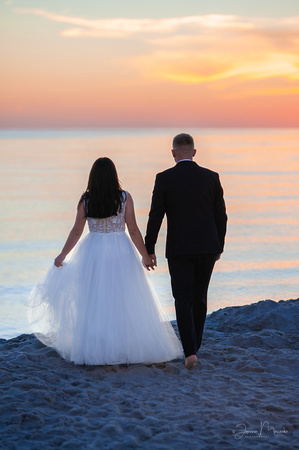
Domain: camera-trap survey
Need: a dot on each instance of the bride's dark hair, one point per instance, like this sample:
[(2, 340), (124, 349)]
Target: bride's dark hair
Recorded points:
[(103, 195)]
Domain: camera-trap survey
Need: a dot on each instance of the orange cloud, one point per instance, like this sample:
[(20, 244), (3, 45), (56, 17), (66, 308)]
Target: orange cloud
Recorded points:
[(174, 67), (217, 55)]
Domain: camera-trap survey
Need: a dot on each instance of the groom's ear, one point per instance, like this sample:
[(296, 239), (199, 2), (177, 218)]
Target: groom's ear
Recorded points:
[(173, 152), (194, 152)]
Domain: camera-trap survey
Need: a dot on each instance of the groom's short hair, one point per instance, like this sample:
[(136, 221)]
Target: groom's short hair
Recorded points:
[(182, 140)]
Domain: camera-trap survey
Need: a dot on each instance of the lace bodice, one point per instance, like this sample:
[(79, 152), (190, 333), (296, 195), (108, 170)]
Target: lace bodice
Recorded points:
[(113, 224)]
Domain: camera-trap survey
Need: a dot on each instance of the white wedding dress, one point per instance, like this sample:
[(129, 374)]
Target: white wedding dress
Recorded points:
[(99, 308)]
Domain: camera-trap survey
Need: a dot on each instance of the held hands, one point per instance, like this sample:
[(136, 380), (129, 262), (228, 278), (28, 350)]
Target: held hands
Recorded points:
[(58, 260), (149, 262)]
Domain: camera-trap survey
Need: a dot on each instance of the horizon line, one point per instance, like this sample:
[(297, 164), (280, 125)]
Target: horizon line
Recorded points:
[(136, 127)]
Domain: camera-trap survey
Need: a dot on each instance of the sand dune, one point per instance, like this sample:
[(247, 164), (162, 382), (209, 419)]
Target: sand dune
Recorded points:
[(243, 394)]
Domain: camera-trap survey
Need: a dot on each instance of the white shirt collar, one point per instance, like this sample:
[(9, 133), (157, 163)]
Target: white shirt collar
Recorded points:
[(183, 160)]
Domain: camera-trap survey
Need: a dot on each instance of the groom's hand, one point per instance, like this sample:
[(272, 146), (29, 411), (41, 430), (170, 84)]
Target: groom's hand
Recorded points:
[(148, 262), (154, 260)]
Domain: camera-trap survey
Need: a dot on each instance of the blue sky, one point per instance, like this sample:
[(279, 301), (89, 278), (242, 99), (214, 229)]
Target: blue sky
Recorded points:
[(161, 8)]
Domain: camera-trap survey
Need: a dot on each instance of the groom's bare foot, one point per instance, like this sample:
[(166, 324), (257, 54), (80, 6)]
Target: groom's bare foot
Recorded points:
[(191, 362)]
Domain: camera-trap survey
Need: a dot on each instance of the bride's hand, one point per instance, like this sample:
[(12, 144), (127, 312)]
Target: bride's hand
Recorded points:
[(58, 260)]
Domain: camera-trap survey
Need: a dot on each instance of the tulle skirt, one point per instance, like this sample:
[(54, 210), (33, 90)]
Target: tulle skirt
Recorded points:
[(100, 308)]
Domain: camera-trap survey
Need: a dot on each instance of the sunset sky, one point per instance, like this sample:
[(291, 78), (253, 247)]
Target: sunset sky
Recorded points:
[(163, 63)]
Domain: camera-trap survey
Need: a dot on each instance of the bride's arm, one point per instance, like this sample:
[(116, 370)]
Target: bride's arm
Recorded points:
[(74, 235), (135, 232)]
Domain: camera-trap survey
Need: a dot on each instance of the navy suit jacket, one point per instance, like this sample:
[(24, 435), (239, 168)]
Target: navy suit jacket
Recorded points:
[(192, 199)]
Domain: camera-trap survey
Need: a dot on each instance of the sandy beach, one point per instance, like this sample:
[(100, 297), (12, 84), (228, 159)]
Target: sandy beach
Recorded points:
[(243, 393)]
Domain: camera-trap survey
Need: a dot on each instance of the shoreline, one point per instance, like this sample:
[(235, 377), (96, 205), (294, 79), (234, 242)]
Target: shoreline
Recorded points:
[(243, 389)]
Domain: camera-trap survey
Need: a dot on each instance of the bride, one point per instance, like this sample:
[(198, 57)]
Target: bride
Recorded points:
[(99, 307)]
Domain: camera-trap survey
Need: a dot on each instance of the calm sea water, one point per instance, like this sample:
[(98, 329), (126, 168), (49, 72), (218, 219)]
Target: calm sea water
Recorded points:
[(43, 174)]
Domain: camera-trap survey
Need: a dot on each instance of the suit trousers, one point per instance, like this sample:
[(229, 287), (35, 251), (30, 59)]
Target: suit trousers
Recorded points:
[(190, 277)]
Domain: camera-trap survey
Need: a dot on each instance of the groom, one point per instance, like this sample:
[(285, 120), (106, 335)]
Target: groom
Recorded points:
[(192, 199)]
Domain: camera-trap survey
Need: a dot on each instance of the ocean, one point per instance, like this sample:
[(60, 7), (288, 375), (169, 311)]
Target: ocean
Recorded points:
[(44, 173)]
